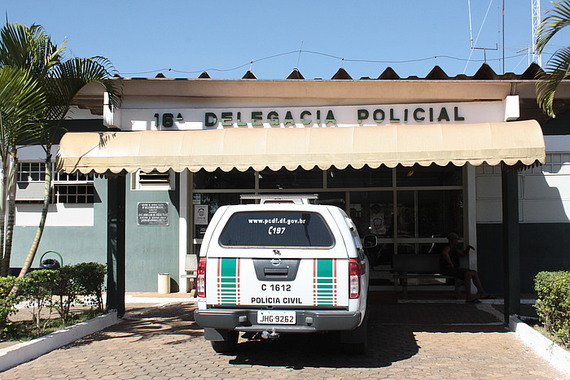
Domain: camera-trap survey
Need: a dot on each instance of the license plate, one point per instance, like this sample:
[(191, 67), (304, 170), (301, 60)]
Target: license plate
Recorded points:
[(276, 317)]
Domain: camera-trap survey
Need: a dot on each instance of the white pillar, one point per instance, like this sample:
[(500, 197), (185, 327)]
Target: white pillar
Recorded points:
[(183, 231)]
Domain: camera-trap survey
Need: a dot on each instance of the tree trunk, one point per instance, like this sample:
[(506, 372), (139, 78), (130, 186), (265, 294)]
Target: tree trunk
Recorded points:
[(39, 232), (3, 203), (10, 212)]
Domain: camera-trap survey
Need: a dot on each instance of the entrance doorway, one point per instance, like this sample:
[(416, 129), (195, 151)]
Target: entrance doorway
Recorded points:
[(399, 211)]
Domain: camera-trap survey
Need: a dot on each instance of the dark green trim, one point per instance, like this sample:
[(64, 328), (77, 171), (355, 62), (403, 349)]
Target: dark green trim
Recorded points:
[(116, 244), (511, 242), (543, 247)]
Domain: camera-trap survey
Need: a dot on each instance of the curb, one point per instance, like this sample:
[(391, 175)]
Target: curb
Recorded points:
[(544, 347), (156, 300), (23, 352)]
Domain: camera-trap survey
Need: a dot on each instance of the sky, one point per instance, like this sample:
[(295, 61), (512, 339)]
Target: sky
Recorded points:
[(226, 38)]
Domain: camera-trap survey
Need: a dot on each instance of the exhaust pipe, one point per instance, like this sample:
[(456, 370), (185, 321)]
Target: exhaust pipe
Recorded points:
[(270, 335)]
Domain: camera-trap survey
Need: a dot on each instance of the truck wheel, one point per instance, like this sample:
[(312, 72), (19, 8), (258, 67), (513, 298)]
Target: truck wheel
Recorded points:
[(229, 344)]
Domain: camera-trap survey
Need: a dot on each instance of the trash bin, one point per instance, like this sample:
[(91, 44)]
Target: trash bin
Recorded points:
[(50, 264), (164, 283)]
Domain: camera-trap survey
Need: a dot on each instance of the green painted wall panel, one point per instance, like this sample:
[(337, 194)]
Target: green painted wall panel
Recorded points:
[(75, 244), (150, 250)]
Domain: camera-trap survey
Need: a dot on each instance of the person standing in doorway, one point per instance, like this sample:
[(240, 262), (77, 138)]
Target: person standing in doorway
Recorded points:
[(449, 265)]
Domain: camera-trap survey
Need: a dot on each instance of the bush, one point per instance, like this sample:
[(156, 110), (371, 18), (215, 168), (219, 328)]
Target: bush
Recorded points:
[(86, 280), (67, 289), (553, 303), (8, 302), (58, 289), (37, 287), (90, 278)]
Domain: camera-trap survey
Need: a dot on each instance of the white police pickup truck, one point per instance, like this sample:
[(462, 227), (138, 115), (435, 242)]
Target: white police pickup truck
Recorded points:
[(274, 268)]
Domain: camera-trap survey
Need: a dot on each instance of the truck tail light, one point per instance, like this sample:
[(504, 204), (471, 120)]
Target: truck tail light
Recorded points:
[(354, 273), (201, 278)]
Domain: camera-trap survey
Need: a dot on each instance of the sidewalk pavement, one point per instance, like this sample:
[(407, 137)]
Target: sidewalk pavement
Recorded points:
[(406, 341)]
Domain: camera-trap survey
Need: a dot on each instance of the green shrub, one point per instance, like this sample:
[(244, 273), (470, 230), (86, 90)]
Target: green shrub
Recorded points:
[(58, 289), (85, 279), (66, 289), (37, 287), (90, 278), (553, 303), (8, 302)]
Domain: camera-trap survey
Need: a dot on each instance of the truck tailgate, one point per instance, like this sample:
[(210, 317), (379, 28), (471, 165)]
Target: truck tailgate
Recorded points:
[(276, 283)]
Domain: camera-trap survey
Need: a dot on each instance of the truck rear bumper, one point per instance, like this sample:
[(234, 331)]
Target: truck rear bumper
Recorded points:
[(308, 321)]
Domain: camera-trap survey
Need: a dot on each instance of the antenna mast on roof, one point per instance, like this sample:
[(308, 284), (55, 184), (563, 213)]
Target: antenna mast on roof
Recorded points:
[(535, 15), (503, 36), (472, 44)]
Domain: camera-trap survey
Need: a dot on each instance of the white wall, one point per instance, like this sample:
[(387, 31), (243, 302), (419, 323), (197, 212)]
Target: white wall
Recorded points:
[(544, 191), (60, 215)]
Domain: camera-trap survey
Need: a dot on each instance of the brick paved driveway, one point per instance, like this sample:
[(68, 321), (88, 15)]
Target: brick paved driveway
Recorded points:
[(407, 341)]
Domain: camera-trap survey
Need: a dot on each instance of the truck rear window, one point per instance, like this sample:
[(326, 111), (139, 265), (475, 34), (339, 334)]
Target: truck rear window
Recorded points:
[(276, 229)]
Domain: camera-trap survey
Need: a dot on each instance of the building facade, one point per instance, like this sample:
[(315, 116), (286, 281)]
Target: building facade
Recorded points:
[(410, 160)]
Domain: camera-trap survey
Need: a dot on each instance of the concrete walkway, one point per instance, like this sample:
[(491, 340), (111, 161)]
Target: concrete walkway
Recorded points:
[(407, 341)]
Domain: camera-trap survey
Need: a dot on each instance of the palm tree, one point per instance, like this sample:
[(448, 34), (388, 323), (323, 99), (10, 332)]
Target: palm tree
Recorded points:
[(21, 104), (558, 67), (61, 85), (30, 48)]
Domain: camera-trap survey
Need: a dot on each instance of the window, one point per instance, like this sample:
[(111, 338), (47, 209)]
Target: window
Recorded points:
[(31, 172), (276, 229), (72, 188), (73, 193), (218, 179), (66, 188), (403, 210), (433, 175), (285, 179), (30, 182), (364, 177)]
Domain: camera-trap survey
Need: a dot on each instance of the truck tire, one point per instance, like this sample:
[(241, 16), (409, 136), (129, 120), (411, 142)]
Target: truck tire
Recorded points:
[(229, 344)]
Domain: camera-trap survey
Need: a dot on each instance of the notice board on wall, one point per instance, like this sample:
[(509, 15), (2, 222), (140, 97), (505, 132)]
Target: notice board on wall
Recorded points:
[(152, 214)]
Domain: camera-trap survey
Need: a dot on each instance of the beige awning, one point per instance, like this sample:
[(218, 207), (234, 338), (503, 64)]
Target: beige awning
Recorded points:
[(274, 148)]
